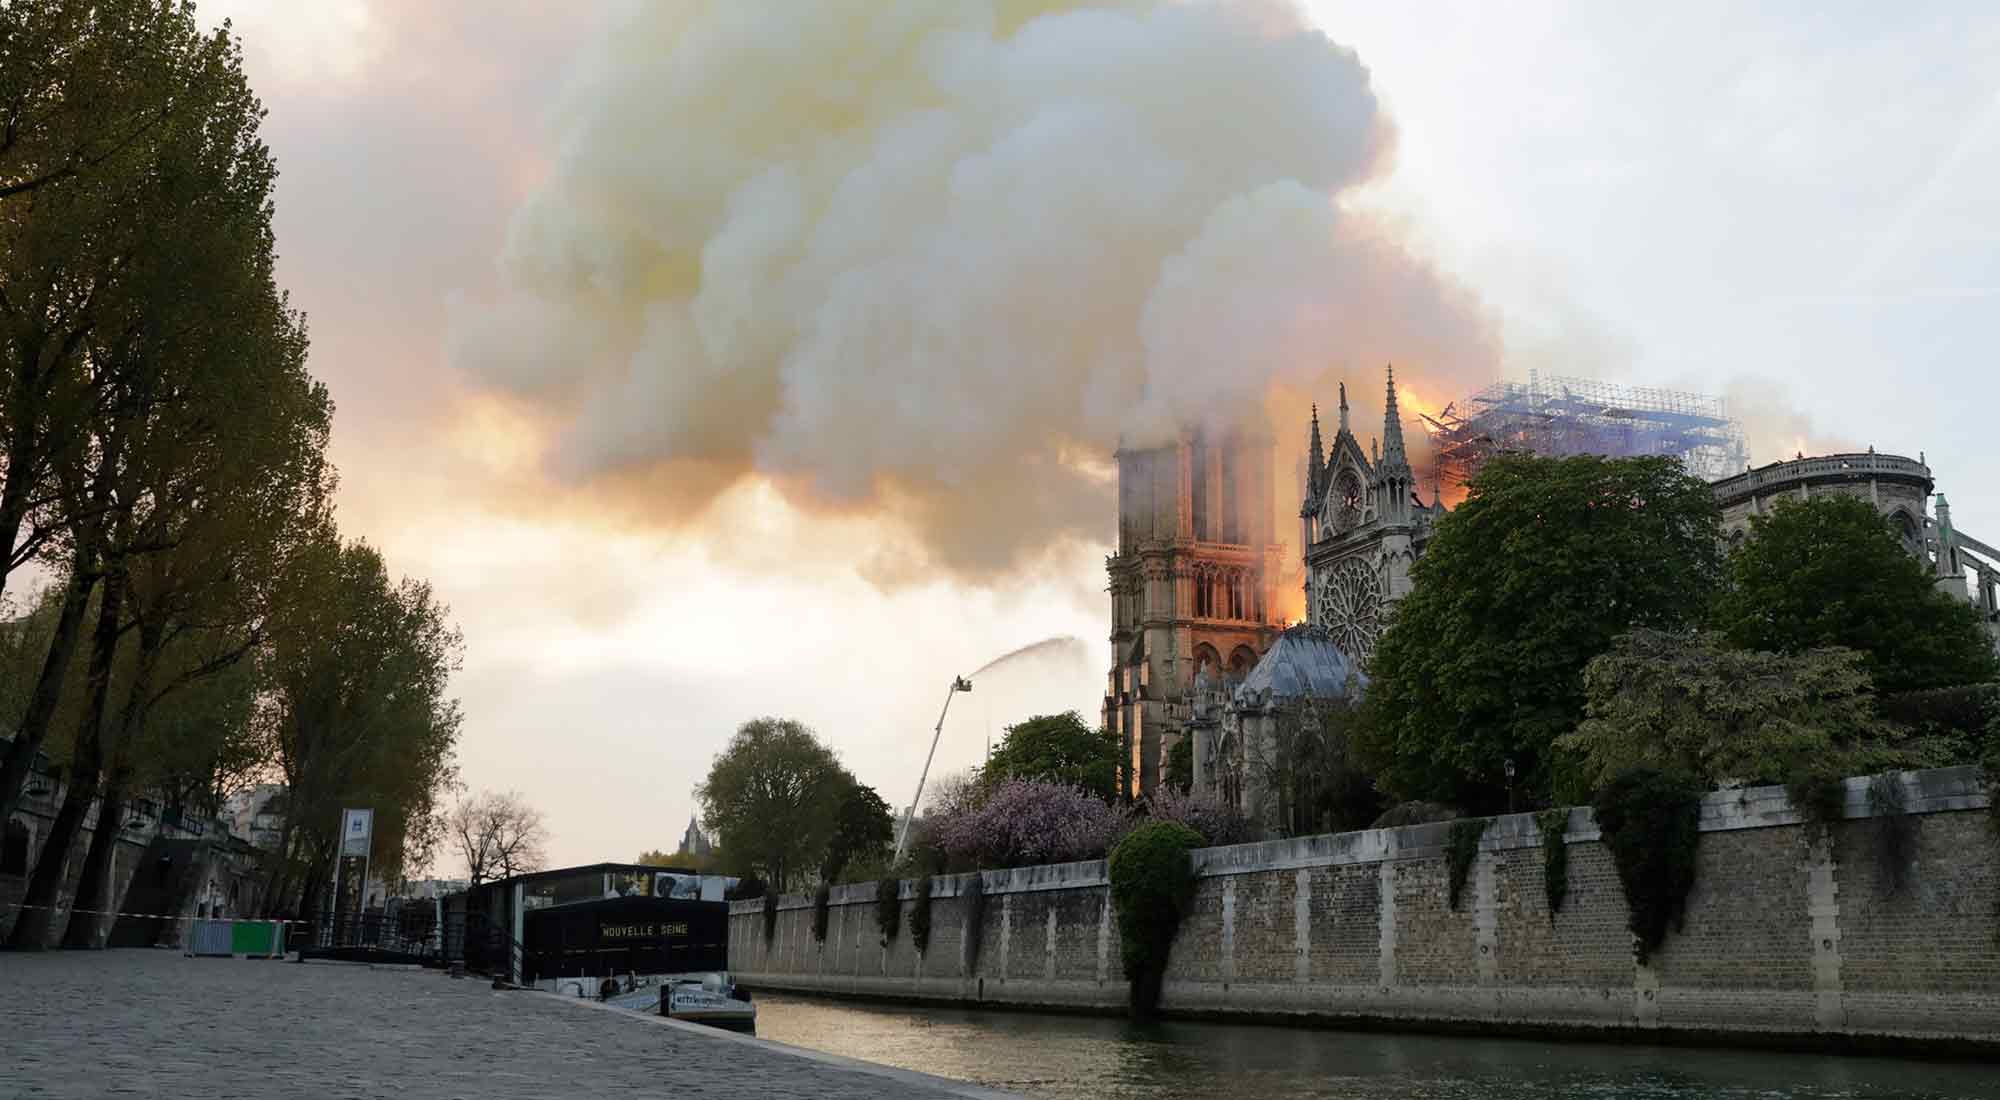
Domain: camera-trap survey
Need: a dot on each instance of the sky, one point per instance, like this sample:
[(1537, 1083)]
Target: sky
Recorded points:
[(514, 228)]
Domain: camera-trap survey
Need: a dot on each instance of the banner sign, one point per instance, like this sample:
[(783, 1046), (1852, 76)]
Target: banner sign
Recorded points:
[(357, 828), (642, 930)]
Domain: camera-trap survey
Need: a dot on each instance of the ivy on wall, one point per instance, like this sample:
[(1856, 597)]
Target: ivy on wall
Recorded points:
[(888, 908), (770, 915), (1817, 792), (1554, 826), (1896, 831), (1152, 885), (1461, 849), (920, 915), (821, 898), (1651, 822), (975, 918)]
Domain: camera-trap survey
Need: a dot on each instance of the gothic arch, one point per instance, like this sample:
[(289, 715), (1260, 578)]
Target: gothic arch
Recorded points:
[(1205, 657), (1241, 660)]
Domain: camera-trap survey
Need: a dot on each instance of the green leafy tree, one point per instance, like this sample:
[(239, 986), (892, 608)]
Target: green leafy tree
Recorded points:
[(773, 796), (356, 711), (1310, 771), (1058, 748), (863, 829), (1544, 564), (1830, 572), (1689, 705)]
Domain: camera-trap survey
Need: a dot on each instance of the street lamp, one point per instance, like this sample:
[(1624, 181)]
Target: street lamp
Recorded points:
[(958, 684), (1510, 784)]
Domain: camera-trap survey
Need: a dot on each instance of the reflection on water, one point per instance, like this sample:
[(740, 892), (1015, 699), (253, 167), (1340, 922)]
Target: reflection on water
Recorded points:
[(1096, 1058)]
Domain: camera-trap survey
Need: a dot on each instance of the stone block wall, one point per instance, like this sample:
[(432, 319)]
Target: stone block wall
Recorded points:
[(1793, 932)]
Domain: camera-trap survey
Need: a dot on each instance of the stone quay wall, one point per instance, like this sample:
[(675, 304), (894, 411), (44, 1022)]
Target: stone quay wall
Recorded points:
[(1794, 934)]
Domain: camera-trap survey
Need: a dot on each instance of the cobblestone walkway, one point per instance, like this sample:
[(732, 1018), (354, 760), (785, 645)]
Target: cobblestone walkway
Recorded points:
[(154, 1023)]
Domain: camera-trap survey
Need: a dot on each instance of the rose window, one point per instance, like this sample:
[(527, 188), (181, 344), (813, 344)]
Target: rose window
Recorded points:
[(1350, 605)]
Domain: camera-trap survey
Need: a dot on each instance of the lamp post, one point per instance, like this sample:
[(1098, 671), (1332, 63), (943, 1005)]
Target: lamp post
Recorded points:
[(1510, 784), (958, 684)]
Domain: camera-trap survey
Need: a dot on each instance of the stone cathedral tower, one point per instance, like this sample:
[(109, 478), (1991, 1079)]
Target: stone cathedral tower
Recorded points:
[(1363, 526), (1192, 584)]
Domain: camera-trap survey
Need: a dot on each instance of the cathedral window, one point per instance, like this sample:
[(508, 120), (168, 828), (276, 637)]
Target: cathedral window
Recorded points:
[(1349, 603)]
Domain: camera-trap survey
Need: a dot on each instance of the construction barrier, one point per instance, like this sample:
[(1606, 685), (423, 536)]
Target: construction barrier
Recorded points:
[(247, 939)]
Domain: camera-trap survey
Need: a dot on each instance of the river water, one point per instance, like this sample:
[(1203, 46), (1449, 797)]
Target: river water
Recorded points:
[(1102, 1058)]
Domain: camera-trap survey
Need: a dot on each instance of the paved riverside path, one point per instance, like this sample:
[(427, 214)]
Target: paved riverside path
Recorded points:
[(154, 1023)]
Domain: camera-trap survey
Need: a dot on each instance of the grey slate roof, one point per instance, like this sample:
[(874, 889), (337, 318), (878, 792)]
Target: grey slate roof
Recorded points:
[(1303, 661)]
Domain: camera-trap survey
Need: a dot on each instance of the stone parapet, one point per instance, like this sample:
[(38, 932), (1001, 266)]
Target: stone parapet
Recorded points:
[(1794, 933)]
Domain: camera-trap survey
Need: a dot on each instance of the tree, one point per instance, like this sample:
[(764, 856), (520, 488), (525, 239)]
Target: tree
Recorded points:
[(773, 798), (1689, 705), (1057, 748), (1308, 770), (1180, 764), (1027, 821), (139, 320), (1546, 561), (355, 710), (863, 829), (1830, 572), (497, 835), (105, 115)]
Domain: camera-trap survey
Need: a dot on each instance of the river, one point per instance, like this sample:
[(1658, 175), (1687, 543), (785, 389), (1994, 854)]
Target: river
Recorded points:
[(1101, 1058)]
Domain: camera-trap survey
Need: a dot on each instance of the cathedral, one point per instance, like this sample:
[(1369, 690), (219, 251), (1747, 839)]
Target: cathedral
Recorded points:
[(1200, 653), (1193, 584), (1363, 525)]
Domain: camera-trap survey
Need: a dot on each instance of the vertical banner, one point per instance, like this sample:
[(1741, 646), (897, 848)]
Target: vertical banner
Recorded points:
[(350, 875), (357, 828)]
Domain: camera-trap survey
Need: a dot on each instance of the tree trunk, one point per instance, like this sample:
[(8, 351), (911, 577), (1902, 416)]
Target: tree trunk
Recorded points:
[(94, 893), (34, 727), (94, 890), (37, 921), (86, 767), (13, 511)]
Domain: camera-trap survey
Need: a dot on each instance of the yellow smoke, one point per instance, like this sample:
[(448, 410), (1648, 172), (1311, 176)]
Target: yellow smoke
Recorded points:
[(930, 261)]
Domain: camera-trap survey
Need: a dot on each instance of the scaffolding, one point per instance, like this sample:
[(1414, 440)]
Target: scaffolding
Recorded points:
[(1574, 416)]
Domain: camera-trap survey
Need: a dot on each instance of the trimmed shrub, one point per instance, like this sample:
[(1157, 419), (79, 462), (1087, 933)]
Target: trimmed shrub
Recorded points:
[(1152, 884), (770, 915), (1554, 825), (888, 908), (920, 915), (1461, 849), (1651, 822), (821, 899)]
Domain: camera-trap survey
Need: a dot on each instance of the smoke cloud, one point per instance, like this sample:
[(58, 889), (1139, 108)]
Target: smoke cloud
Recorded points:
[(931, 261)]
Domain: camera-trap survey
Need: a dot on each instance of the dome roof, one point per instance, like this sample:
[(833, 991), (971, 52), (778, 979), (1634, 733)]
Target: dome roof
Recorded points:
[(1304, 661)]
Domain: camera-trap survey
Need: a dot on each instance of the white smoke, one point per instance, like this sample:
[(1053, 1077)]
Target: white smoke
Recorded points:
[(933, 259)]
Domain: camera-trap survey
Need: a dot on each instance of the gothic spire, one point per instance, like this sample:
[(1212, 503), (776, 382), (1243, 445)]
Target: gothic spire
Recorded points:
[(1392, 428), (1316, 470), (1343, 406)]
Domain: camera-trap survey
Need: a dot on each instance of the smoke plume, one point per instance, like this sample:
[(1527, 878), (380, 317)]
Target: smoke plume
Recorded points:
[(931, 261)]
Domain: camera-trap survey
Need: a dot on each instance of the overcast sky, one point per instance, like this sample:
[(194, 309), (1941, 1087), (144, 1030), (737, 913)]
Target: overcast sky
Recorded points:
[(1797, 207)]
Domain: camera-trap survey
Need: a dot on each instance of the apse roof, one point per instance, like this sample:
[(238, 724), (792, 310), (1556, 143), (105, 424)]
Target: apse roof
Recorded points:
[(1303, 661)]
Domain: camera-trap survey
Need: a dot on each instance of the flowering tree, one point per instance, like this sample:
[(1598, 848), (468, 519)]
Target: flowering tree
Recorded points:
[(1217, 821), (1027, 821)]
